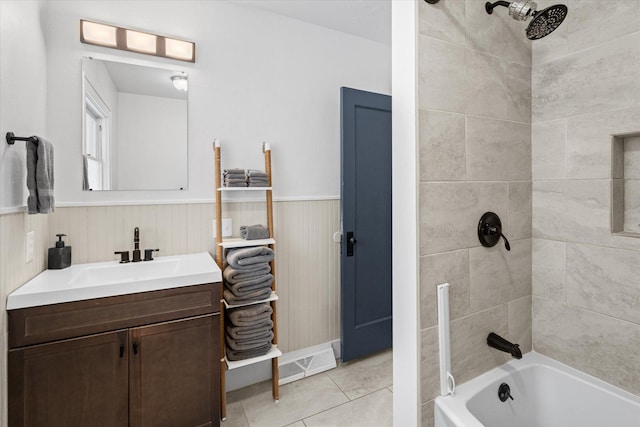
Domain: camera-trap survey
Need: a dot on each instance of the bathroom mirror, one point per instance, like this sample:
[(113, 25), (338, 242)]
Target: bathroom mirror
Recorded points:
[(134, 127)]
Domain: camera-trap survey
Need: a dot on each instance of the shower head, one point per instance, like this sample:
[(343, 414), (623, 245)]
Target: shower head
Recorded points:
[(544, 22)]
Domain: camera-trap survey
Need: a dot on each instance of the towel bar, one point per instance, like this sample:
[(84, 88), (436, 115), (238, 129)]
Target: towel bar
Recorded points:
[(12, 138)]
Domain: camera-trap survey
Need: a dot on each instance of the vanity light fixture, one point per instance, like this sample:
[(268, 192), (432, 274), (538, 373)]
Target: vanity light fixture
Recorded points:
[(136, 41), (180, 82)]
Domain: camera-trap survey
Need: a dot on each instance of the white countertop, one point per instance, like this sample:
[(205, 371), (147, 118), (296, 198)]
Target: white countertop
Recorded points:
[(106, 279)]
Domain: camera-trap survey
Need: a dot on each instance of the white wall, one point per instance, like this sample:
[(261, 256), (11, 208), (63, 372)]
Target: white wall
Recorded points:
[(144, 123), (406, 321), (23, 93), (257, 77)]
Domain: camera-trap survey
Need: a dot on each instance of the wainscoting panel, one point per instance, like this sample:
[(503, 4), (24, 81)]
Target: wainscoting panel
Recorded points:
[(307, 267)]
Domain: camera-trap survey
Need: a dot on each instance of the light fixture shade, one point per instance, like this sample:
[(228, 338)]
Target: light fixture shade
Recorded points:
[(180, 82), (100, 34), (141, 42), (106, 35), (178, 49)]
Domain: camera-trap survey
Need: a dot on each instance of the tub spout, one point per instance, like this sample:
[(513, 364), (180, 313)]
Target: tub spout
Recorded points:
[(497, 342)]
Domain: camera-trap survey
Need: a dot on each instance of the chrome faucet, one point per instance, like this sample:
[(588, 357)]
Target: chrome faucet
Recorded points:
[(136, 245), (497, 342)]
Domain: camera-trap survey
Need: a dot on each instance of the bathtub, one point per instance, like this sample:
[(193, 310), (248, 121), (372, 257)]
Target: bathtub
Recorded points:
[(545, 393)]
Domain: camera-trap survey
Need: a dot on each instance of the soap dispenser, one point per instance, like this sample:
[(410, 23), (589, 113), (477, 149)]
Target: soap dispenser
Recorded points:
[(60, 256)]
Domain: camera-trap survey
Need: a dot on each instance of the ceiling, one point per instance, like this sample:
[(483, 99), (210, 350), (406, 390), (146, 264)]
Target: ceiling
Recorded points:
[(370, 19), (137, 79)]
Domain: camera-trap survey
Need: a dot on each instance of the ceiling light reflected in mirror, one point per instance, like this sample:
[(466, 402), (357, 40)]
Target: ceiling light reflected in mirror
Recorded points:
[(180, 82)]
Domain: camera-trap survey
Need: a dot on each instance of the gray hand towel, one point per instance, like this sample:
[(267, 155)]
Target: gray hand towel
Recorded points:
[(251, 315), (253, 232), (256, 173), (40, 176), (234, 171), (244, 257), (235, 184), (249, 343), (238, 332), (257, 295), (248, 354), (235, 275), (245, 287), (258, 184)]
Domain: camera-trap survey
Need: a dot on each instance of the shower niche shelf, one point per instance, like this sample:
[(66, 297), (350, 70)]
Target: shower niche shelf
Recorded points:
[(625, 184)]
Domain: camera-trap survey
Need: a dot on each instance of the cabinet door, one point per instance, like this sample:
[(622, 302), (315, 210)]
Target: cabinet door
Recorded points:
[(76, 382), (174, 375)]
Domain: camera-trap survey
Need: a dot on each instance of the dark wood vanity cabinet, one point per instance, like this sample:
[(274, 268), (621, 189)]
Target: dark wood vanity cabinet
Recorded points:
[(162, 372), (81, 381), (173, 380)]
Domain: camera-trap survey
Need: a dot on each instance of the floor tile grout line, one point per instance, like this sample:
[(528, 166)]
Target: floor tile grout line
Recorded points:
[(324, 410), (339, 388), (344, 393), (244, 412), (342, 404), (311, 415)]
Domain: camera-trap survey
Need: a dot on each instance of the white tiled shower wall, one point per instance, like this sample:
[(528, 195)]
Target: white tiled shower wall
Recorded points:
[(583, 88), (475, 156), (586, 293)]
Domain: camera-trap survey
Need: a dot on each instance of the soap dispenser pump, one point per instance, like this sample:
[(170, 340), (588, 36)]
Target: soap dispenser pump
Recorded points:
[(60, 256)]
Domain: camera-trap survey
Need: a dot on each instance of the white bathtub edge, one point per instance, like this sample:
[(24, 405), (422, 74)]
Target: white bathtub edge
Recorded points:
[(452, 411)]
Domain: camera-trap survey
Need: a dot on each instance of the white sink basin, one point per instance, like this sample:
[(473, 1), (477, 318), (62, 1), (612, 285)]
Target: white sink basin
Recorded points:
[(99, 274), (105, 279)]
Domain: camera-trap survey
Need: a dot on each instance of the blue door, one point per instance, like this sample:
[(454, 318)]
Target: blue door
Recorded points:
[(365, 209)]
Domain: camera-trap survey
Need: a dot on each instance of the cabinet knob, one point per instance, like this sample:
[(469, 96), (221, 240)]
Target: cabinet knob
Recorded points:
[(135, 348), (121, 351)]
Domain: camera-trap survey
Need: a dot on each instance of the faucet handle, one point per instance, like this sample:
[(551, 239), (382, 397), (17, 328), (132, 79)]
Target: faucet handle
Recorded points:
[(148, 254), (124, 256)]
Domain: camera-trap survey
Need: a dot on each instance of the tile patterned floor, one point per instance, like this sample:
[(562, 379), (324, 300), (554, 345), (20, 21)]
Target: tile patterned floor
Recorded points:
[(357, 393)]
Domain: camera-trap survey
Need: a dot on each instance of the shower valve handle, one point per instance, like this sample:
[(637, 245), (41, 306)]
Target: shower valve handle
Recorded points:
[(494, 231)]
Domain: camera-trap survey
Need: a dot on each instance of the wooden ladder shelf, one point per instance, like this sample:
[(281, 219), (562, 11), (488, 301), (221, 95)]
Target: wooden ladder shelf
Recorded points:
[(221, 245)]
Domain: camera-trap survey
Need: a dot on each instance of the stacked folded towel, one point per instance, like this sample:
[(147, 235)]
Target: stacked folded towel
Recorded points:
[(235, 178), (249, 331), (247, 277), (253, 232), (257, 178), (246, 257)]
